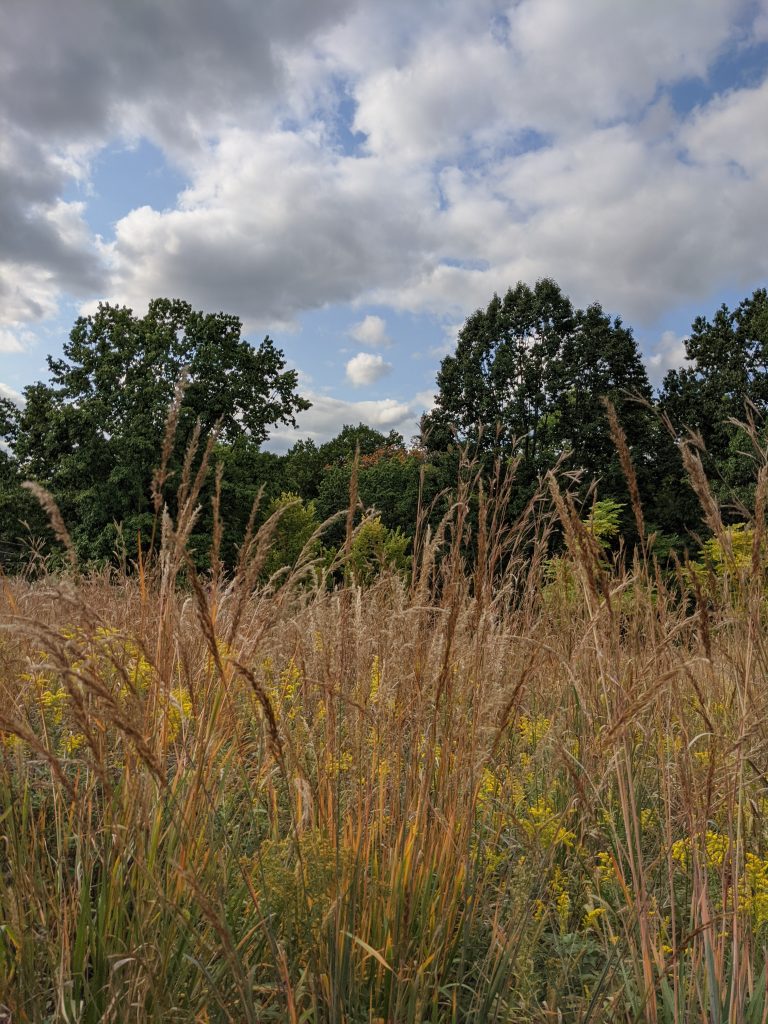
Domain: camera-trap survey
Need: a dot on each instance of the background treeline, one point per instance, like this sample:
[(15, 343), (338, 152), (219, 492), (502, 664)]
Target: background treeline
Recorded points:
[(525, 387)]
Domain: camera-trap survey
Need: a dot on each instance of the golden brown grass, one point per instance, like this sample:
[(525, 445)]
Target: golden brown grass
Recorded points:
[(468, 796)]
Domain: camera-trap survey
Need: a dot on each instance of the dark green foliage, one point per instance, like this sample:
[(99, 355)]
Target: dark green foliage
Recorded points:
[(376, 549), (20, 515), (249, 475), (727, 379), (295, 528), (528, 379), (94, 434), (527, 384)]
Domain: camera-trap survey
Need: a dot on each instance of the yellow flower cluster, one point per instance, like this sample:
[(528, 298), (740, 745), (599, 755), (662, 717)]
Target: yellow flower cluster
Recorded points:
[(499, 785), (716, 847), (753, 889), (606, 868), (560, 900), (373, 693), (283, 691), (72, 743), (179, 711), (591, 917), (53, 703), (336, 766), (533, 728), (543, 824), (752, 886)]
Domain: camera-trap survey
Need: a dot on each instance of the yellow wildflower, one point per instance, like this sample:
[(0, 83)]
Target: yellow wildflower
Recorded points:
[(544, 824), (53, 701), (533, 728), (72, 743), (179, 710), (375, 680), (592, 916)]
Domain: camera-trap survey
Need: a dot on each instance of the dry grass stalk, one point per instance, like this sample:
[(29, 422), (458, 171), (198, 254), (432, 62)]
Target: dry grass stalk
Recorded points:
[(48, 504), (476, 794), (627, 466)]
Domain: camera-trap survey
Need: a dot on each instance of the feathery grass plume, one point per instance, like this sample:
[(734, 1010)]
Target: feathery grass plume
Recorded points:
[(353, 503), (438, 798), (217, 566), (627, 467), (700, 484), (48, 504), (161, 474)]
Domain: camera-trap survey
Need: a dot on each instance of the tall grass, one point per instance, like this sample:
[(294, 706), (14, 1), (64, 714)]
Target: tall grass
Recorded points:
[(478, 794)]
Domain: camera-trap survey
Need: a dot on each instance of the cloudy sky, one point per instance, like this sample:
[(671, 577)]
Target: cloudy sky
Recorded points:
[(356, 176)]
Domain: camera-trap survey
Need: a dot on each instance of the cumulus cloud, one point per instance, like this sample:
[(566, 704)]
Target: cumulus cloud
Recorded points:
[(75, 77), (328, 415), (9, 341), (635, 220), (371, 331), (276, 225), (174, 71), (45, 247), (366, 368), (497, 141), (667, 354), (637, 215), (11, 394), (546, 65)]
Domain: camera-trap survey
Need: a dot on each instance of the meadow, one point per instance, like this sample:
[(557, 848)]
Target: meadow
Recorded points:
[(504, 787)]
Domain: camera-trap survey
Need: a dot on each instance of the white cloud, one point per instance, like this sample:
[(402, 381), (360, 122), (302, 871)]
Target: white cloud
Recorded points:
[(547, 65), (45, 247), (667, 354), (371, 331), (276, 224), (366, 368), (728, 131), (635, 220), (11, 394), (9, 341), (638, 216), (435, 208), (760, 26), (328, 415)]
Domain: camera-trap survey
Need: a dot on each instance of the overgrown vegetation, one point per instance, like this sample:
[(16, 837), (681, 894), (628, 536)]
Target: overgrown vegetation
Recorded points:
[(479, 786), (526, 383)]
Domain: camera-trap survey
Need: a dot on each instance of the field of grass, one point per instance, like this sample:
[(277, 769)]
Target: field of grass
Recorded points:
[(535, 794)]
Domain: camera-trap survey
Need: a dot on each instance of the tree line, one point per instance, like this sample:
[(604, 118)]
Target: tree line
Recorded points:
[(526, 384)]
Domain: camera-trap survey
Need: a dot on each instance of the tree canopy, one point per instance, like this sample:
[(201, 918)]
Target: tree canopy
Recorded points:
[(527, 383), (93, 434), (528, 379)]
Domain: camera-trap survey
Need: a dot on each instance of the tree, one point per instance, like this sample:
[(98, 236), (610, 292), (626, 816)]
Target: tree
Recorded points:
[(296, 524), (493, 389), (376, 549), (21, 517), (726, 378), (93, 434), (528, 379)]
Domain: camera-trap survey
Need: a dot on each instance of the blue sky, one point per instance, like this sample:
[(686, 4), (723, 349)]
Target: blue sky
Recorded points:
[(355, 178)]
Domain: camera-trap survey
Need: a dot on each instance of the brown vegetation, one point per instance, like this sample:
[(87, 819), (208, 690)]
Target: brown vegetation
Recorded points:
[(506, 791)]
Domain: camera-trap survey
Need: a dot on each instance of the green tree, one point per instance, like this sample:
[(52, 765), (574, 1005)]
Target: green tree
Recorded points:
[(295, 526), (376, 549), (21, 518), (726, 378), (94, 433), (388, 478), (493, 390), (528, 379)]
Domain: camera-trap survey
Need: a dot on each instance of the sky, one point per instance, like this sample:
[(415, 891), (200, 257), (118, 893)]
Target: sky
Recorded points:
[(355, 177)]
